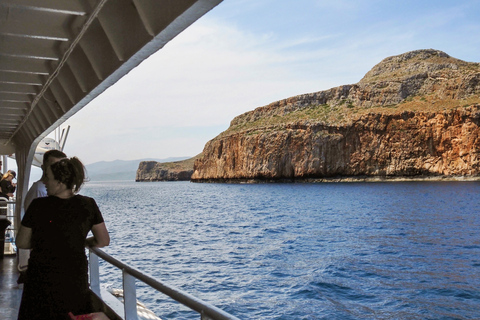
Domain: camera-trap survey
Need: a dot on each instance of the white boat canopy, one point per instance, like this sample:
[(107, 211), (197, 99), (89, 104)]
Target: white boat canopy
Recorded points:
[(58, 55)]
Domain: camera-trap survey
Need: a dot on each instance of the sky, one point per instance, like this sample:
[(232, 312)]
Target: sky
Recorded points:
[(246, 54)]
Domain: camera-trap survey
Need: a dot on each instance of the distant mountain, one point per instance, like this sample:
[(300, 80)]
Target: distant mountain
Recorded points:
[(120, 169)]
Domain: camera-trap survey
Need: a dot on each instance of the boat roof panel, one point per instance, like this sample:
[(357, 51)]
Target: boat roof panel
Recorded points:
[(58, 55)]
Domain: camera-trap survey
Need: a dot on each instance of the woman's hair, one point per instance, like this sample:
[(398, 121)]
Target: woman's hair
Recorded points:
[(53, 154), (69, 171), (7, 174)]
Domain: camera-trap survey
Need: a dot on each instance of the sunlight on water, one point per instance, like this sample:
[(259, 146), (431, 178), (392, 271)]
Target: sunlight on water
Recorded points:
[(300, 251)]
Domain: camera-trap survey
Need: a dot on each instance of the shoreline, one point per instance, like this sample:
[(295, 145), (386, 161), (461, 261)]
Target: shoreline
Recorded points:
[(350, 179)]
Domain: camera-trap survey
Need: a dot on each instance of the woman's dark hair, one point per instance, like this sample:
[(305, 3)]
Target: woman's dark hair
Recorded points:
[(53, 154), (70, 172)]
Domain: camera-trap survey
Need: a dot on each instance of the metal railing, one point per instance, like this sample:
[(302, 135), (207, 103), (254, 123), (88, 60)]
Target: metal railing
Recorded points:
[(206, 310), (7, 211), (8, 206)]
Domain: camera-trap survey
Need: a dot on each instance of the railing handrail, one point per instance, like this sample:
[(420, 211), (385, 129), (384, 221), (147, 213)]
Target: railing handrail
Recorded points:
[(203, 308)]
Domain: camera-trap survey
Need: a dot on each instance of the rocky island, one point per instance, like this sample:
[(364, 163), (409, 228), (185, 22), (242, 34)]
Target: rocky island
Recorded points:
[(415, 115)]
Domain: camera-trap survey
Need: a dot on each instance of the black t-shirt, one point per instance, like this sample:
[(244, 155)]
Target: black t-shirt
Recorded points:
[(7, 186), (57, 281), (4, 186), (59, 229)]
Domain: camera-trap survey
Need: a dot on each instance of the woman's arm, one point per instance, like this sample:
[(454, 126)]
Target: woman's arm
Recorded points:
[(100, 238), (24, 236)]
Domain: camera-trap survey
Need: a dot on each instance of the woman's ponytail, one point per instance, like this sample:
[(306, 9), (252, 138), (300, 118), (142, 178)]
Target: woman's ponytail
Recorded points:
[(70, 172), (78, 173)]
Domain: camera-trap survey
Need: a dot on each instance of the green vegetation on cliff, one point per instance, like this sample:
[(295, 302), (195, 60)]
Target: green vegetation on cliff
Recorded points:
[(415, 114)]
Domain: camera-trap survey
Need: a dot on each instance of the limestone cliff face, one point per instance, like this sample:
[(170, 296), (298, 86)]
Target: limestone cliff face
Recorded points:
[(416, 114), (166, 171)]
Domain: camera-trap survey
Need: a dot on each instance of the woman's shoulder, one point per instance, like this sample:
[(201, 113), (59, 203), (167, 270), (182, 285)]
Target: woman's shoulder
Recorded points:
[(46, 199), (81, 197), (42, 202), (55, 199), (84, 199)]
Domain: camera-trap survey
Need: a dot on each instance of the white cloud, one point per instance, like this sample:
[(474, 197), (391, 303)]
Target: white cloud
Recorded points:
[(204, 78), (246, 54)]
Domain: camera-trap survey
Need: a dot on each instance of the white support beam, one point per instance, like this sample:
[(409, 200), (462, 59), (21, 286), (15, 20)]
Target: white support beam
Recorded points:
[(69, 85), (62, 101)]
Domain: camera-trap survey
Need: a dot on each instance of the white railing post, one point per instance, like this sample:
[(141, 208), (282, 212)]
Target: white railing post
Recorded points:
[(94, 273), (129, 296)]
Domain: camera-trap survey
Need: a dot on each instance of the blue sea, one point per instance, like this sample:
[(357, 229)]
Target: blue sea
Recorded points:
[(396, 250)]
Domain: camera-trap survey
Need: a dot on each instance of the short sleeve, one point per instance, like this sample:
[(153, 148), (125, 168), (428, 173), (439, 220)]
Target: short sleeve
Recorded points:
[(97, 215), (27, 220)]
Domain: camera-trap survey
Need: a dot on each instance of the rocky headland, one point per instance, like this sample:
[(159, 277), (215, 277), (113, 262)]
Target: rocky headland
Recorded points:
[(413, 116), (165, 171)]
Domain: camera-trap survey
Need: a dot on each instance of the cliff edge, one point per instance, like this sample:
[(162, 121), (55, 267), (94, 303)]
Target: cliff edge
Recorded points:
[(165, 171), (412, 115)]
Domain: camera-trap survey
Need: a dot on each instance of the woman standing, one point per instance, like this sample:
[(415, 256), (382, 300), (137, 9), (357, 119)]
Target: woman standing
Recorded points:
[(56, 229), (7, 187)]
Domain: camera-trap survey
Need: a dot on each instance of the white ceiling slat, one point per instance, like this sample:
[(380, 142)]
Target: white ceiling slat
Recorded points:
[(12, 109), (60, 7), (21, 23), (18, 100), (16, 78), (5, 131), (15, 97), (27, 66), (18, 89), (12, 117), (8, 128), (27, 48)]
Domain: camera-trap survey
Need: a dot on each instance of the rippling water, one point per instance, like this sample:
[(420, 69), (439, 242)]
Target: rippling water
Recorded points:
[(301, 251)]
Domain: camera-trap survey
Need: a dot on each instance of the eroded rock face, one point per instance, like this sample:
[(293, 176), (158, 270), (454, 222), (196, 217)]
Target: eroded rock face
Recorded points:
[(403, 144), (156, 171), (416, 114)]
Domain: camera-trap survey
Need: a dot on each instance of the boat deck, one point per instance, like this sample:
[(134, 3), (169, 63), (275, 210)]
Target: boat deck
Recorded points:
[(10, 291)]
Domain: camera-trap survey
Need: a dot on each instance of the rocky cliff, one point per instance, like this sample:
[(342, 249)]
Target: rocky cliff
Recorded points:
[(413, 115), (165, 171)]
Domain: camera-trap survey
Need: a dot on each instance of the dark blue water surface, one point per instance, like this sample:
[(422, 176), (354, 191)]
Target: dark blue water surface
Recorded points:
[(403, 250)]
